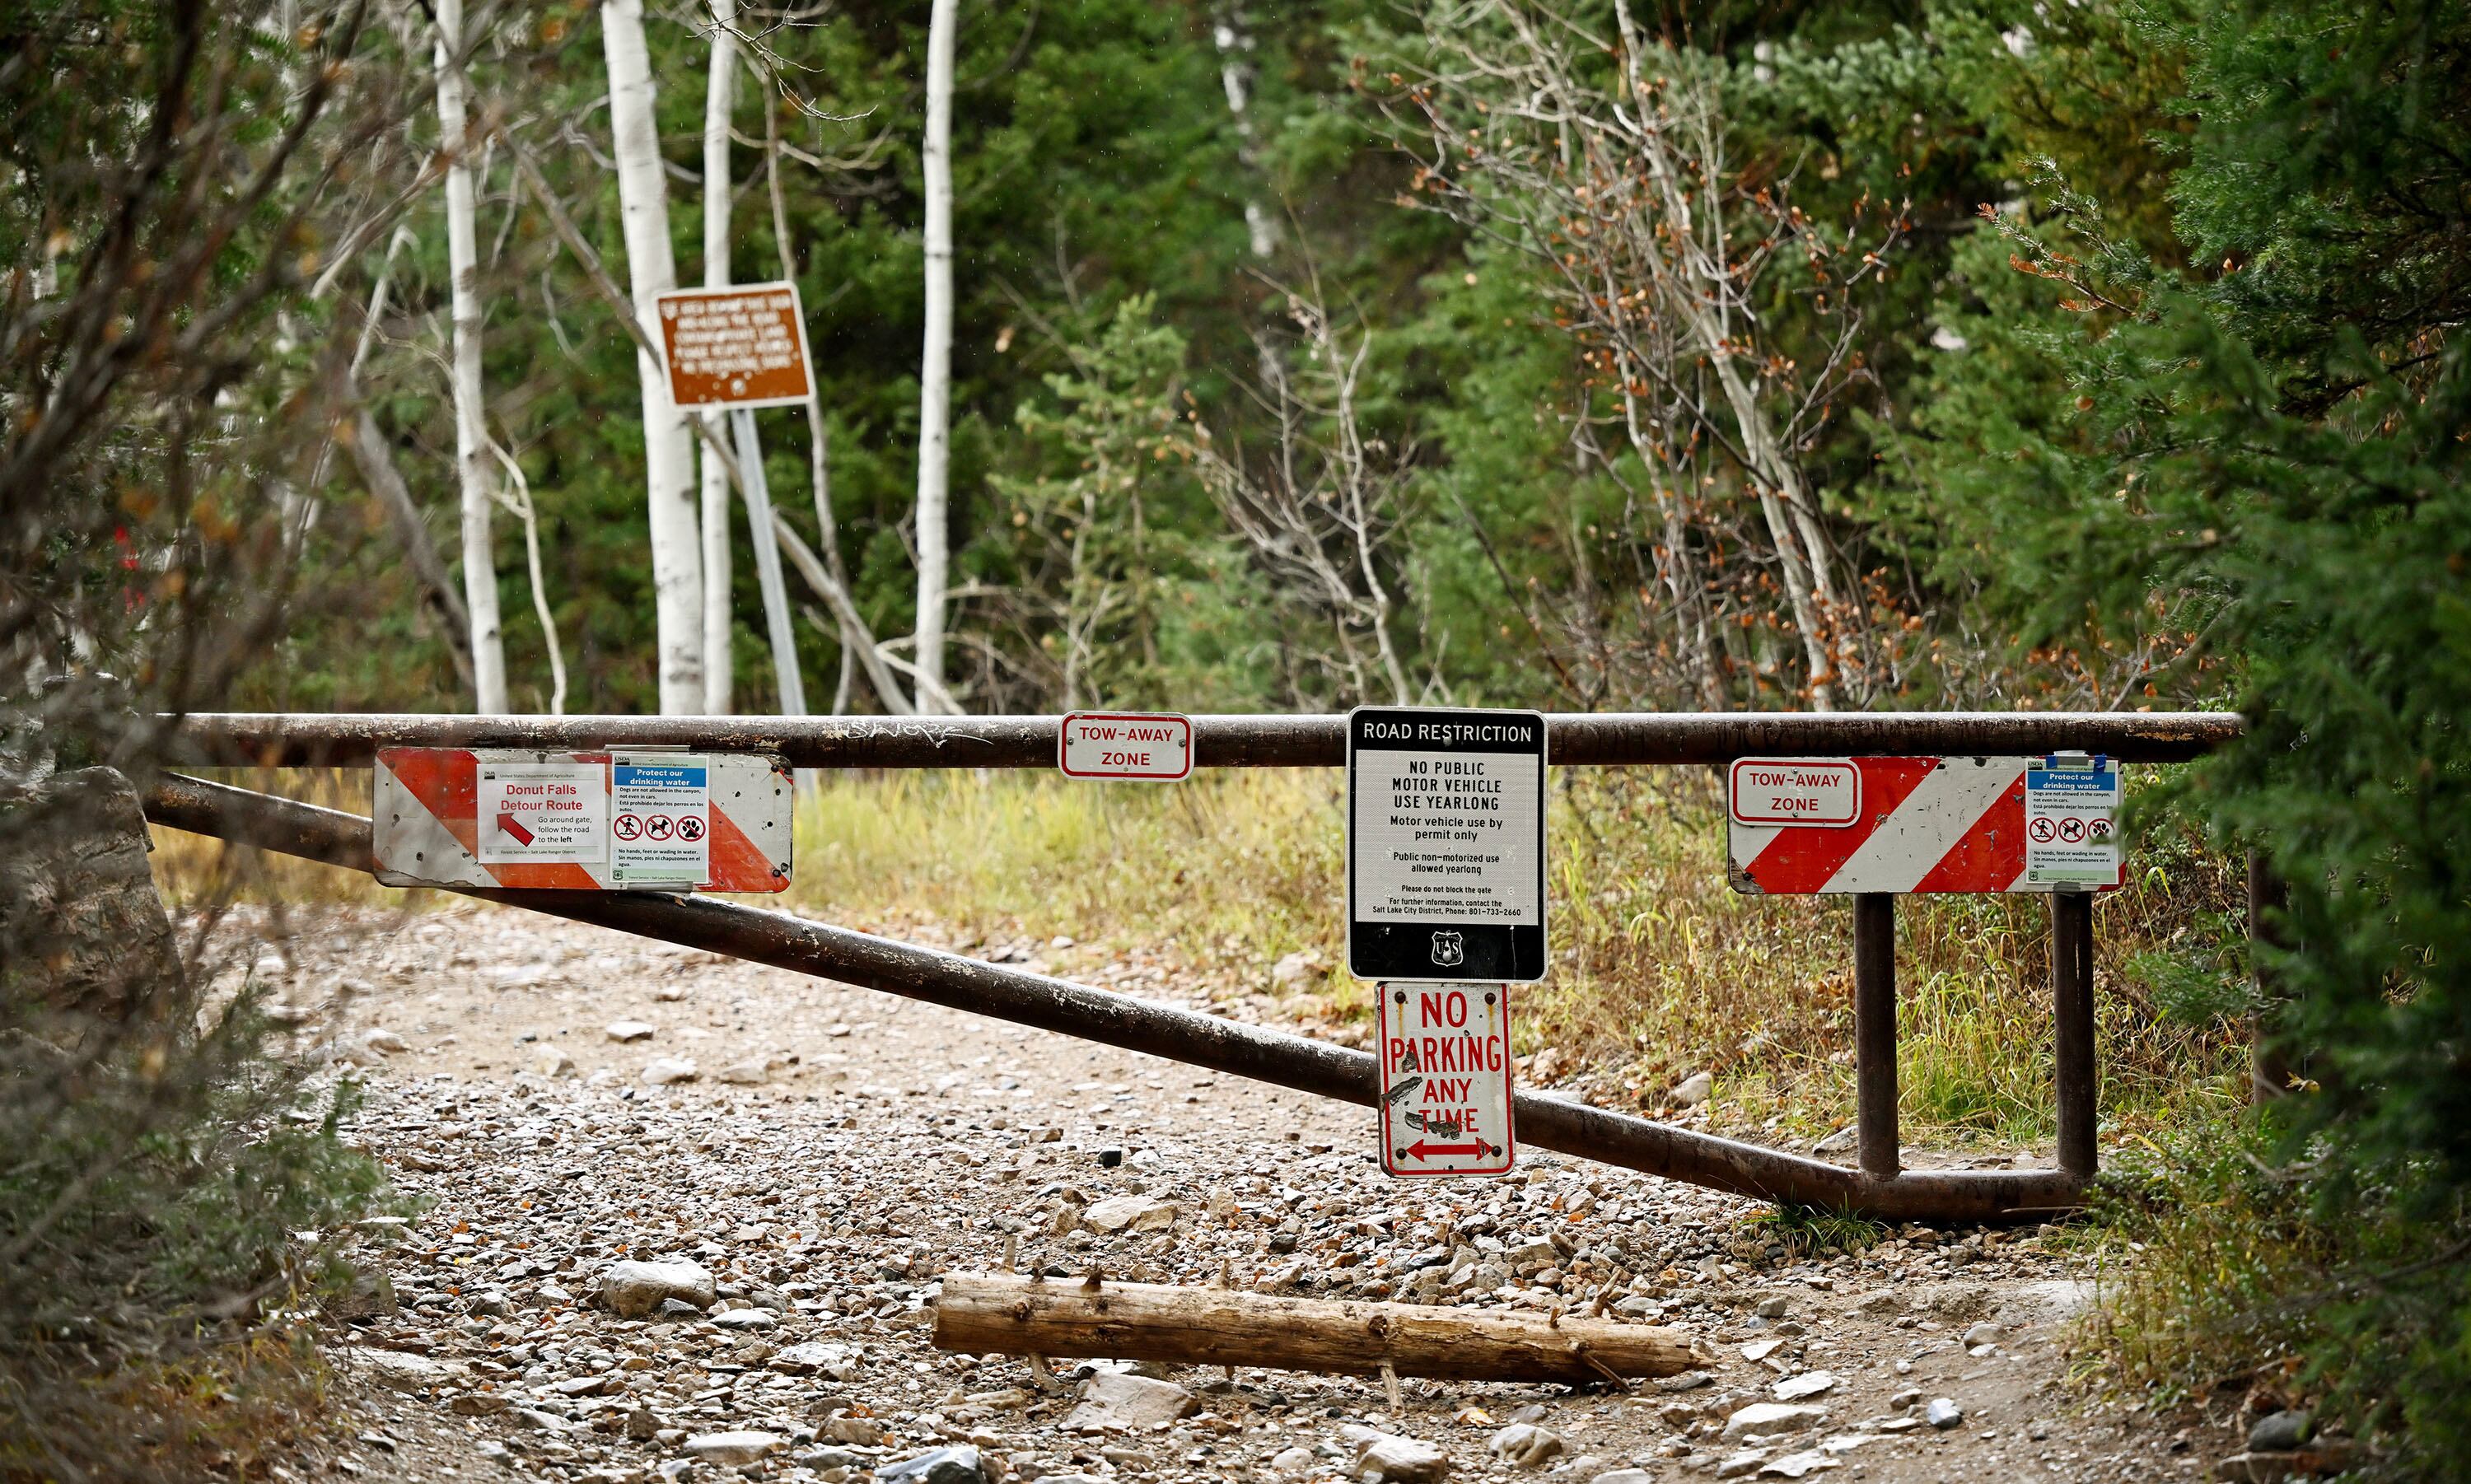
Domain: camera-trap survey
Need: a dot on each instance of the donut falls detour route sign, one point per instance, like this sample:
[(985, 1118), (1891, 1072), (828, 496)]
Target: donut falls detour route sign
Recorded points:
[(1444, 844)]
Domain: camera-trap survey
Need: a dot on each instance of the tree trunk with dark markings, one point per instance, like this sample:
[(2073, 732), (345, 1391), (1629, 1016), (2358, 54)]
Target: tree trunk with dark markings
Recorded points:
[(982, 1312)]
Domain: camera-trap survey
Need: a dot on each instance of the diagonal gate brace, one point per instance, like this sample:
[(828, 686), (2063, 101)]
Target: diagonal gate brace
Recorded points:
[(782, 941)]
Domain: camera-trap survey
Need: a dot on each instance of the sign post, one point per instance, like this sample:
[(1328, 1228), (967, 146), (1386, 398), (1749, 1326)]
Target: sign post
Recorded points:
[(1446, 844), (1446, 1105)]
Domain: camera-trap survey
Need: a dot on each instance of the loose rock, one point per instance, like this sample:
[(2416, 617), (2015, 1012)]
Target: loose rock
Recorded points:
[(626, 1031), (1943, 1414), (1387, 1458), (634, 1290), (1114, 1403), (1525, 1445), (959, 1465), (1772, 1417), (666, 1071), (735, 1448)]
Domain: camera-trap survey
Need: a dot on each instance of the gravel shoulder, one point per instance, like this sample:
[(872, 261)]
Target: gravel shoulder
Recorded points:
[(833, 1151)]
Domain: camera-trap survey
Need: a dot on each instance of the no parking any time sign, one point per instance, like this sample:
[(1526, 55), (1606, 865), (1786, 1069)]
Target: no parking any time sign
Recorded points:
[(1445, 1103)]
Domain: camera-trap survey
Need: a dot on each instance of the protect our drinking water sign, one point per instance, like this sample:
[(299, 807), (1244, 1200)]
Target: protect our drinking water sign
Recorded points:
[(550, 814), (1445, 1101), (1444, 844), (660, 826), (1131, 746), (2072, 822)]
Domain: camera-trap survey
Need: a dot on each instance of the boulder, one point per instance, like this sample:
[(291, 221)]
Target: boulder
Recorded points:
[(1114, 1403)]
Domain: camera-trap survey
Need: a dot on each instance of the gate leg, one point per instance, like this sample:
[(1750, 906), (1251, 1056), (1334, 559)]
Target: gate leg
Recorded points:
[(1874, 1032), (2071, 1028)]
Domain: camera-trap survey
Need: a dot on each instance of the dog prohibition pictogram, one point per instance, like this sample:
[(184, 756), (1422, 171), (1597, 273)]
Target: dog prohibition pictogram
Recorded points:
[(659, 827)]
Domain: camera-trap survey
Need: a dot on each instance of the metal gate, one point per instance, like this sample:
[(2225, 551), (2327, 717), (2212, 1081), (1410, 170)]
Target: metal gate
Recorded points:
[(1877, 1188)]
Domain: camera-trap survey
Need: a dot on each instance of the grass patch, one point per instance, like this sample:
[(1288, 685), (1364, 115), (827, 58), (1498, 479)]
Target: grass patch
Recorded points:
[(1661, 969)]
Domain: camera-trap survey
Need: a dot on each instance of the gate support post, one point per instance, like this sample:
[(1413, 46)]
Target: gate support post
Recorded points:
[(2071, 1028), (1874, 1032)]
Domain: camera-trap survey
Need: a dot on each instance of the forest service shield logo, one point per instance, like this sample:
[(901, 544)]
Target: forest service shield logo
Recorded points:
[(1448, 950)]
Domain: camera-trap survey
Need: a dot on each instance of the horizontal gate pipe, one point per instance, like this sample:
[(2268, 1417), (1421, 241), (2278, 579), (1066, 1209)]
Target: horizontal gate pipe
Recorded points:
[(782, 941), (273, 739)]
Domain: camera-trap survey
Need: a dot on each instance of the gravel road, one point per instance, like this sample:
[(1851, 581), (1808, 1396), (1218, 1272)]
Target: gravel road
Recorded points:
[(831, 1152)]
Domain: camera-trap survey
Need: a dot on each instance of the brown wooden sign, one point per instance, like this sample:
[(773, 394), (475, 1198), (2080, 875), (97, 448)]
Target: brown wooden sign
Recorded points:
[(741, 346)]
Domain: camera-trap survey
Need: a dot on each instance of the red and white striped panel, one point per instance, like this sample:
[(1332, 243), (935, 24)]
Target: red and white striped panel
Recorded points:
[(1917, 825), (428, 828)]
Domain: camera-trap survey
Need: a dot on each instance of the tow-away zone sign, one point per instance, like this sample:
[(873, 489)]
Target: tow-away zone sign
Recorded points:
[(1950, 824), (1132, 747), (1445, 1079)]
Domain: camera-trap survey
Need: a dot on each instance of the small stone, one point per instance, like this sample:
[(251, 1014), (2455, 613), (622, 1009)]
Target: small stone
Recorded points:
[(1906, 1400), (1984, 1333), (1942, 1413), (1624, 1476), (1114, 1403), (1809, 1384), (1294, 969), (814, 1356), (1292, 1461), (735, 1448), (746, 1319), (1772, 1417), (1793, 1466), (1387, 1458), (551, 1062), (830, 1458), (666, 1071), (494, 1451), (1838, 1143), (2282, 1432), (957, 1465), (1129, 1214), (1694, 1089), (1760, 1350), (1525, 1445), (643, 1425), (385, 1042), (856, 1431), (752, 1072), (476, 1403), (400, 1371), (1773, 1307), (634, 1290), (624, 1031), (1734, 1465), (1688, 1380), (534, 1417)]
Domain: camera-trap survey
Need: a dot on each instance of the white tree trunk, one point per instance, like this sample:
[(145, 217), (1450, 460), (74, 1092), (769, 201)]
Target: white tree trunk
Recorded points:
[(669, 468), (935, 362), (472, 473), (720, 92)]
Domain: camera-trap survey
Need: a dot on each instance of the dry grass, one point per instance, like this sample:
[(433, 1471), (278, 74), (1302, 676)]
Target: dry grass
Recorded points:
[(1663, 969)]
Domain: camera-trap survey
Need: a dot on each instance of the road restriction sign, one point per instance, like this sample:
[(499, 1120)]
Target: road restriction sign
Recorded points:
[(1444, 844), (1445, 1079)]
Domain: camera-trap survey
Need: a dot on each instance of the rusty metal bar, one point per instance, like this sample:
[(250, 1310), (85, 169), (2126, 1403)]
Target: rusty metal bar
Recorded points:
[(1874, 1032), (2072, 1030), (239, 739), (785, 942)]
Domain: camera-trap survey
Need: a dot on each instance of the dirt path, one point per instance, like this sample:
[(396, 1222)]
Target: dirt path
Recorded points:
[(840, 1149)]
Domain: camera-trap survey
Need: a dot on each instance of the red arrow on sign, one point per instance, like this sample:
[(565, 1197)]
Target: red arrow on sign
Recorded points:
[(1422, 1150), (515, 827)]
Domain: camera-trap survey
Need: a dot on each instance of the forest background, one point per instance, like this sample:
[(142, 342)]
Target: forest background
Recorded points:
[(1587, 356)]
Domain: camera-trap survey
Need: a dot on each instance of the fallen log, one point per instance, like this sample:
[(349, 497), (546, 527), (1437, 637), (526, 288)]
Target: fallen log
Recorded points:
[(1010, 1314)]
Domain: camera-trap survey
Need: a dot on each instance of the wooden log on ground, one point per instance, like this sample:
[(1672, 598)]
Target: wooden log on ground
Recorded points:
[(1012, 1314)]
